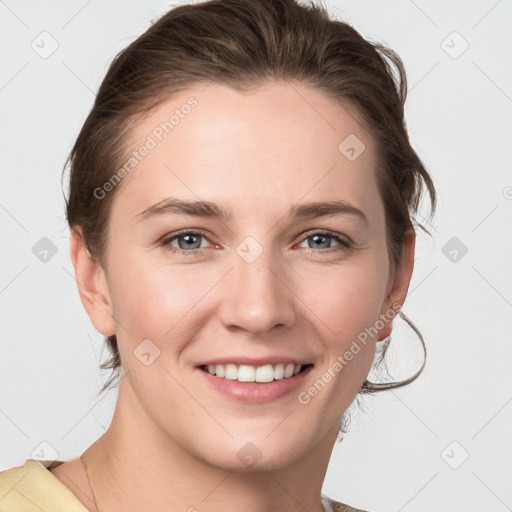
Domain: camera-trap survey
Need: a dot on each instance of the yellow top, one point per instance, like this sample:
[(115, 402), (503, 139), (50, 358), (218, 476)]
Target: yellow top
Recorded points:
[(33, 488)]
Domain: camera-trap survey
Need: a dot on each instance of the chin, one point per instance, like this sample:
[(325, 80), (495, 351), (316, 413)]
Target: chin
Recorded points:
[(258, 452)]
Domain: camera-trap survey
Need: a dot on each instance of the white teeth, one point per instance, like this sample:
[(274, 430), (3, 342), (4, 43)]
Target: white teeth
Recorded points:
[(279, 371), (265, 373), (231, 372), (288, 371), (247, 373)]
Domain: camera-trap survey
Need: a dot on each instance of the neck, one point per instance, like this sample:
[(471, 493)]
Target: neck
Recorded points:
[(136, 466)]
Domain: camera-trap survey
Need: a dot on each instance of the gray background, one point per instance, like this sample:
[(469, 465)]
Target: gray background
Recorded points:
[(438, 444)]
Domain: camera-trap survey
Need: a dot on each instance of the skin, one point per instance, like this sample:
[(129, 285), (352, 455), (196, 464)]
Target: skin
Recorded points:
[(173, 440)]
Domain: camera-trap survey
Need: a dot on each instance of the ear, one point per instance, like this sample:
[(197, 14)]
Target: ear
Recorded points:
[(92, 285), (397, 289)]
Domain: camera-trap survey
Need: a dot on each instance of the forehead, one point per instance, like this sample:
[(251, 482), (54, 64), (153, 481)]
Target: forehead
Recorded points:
[(276, 144)]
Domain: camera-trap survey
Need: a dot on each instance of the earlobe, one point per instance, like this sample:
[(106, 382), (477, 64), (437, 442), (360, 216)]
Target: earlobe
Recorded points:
[(398, 288), (92, 285)]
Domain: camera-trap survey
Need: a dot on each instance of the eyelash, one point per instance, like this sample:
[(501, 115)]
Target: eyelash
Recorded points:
[(345, 243)]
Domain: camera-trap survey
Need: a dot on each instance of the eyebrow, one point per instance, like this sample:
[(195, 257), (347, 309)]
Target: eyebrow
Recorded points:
[(310, 210)]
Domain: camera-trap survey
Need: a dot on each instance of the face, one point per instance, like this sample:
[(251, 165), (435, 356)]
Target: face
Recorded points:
[(259, 277)]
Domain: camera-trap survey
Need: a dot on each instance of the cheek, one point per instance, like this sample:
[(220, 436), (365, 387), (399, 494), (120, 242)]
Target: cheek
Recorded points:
[(345, 312), (346, 299), (346, 304), (165, 302), (160, 301)]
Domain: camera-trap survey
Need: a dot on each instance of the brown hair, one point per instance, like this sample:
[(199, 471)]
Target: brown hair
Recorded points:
[(243, 43)]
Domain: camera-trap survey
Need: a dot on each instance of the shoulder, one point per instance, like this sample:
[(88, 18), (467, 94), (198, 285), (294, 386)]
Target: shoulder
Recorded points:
[(340, 507), (32, 488), (335, 506)]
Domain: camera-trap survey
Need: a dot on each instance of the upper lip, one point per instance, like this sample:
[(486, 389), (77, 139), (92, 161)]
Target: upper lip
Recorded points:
[(250, 361)]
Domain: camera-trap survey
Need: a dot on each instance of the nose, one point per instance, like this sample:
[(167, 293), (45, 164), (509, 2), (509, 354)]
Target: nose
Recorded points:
[(257, 295)]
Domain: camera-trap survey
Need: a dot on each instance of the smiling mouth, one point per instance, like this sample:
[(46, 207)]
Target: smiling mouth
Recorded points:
[(261, 374)]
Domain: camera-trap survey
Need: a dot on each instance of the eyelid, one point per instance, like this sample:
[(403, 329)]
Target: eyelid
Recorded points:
[(169, 237), (342, 239), (333, 234)]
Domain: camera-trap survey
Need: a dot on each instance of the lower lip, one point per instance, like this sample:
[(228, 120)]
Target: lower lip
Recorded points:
[(255, 392)]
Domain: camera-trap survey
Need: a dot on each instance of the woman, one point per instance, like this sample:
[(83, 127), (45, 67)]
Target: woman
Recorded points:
[(240, 208)]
